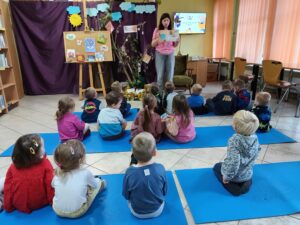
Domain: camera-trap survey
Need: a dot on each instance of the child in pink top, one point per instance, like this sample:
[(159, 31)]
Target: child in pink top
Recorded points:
[(185, 120), (70, 126), (147, 119), (164, 54)]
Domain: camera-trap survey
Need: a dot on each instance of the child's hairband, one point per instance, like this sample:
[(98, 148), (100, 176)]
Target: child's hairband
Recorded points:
[(34, 142), (32, 151)]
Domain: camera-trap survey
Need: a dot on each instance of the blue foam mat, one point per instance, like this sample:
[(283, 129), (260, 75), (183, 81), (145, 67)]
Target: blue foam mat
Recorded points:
[(130, 117), (206, 137), (109, 208), (274, 192)]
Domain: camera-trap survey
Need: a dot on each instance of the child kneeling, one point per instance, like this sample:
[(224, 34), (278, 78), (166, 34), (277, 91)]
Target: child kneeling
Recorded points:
[(235, 173), (145, 184), (75, 187)]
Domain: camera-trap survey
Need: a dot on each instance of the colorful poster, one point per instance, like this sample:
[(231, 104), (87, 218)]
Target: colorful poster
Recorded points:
[(89, 45)]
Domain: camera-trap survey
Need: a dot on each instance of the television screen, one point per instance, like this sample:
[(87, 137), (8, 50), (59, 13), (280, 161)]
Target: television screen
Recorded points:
[(190, 23)]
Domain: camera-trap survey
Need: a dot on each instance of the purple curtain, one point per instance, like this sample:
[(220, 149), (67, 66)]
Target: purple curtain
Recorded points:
[(38, 29)]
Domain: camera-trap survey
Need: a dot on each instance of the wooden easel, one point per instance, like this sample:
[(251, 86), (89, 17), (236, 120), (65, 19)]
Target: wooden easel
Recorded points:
[(81, 90)]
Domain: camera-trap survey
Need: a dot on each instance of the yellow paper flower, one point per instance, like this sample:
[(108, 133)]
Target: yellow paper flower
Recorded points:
[(75, 20)]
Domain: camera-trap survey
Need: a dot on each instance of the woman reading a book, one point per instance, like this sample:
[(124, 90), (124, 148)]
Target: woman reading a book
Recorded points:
[(164, 42)]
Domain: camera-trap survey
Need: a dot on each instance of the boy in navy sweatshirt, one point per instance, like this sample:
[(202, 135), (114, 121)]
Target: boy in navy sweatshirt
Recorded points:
[(243, 95), (224, 103)]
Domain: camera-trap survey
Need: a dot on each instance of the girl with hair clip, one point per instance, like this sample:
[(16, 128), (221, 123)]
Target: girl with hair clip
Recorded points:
[(68, 124), (69, 157), (147, 120), (184, 119), (164, 51), (27, 185)]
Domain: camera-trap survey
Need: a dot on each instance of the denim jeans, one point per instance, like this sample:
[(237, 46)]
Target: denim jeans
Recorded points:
[(164, 65)]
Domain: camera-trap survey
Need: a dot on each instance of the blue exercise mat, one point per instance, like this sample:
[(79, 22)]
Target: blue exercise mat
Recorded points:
[(274, 192), (130, 117), (109, 208), (216, 136)]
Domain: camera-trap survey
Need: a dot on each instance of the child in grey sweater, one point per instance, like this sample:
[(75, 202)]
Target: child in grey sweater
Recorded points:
[(235, 173)]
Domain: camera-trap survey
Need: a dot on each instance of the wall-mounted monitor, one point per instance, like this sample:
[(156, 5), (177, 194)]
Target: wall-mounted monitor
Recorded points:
[(190, 23)]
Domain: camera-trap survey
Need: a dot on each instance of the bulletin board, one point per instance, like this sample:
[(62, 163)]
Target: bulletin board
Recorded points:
[(87, 46)]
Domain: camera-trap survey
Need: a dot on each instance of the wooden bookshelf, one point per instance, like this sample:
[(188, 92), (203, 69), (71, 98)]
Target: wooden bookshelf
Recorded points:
[(8, 89)]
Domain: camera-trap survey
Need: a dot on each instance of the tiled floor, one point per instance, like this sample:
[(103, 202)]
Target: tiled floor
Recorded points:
[(36, 114)]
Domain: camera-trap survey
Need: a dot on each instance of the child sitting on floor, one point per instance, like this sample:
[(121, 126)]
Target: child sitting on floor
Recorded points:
[(196, 101), (159, 109), (168, 97), (27, 184), (125, 106), (110, 120), (91, 107), (184, 118), (224, 103), (262, 110), (147, 119), (236, 172), (243, 95), (75, 187), (145, 184), (68, 124)]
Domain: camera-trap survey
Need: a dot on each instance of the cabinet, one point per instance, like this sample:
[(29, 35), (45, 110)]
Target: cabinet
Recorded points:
[(199, 67), (8, 89)]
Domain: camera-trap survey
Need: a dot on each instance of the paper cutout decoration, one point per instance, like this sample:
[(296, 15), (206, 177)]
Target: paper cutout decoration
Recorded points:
[(103, 7), (146, 58), (91, 58), (109, 27), (71, 37), (89, 45), (80, 58), (91, 12), (75, 20), (71, 56), (140, 9), (101, 39), (127, 6), (103, 48), (79, 42), (99, 56), (130, 29), (116, 16), (73, 10)]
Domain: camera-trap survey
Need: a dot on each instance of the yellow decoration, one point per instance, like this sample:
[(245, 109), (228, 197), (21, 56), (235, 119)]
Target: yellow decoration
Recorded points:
[(75, 20)]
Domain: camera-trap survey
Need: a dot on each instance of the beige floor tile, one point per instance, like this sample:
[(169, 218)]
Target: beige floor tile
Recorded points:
[(188, 162), (208, 155), (286, 220), (5, 161), (283, 153)]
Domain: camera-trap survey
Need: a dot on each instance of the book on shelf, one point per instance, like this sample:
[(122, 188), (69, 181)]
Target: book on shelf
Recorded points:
[(2, 102), (2, 42), (3, 61)]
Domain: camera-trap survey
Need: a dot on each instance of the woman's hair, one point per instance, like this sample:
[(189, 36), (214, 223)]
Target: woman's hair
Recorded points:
[(196, 89), (69, 155), (245, 122), (64, 106), (164, 16), (90, 93), (263, 98), (181, 107), (143, 146), (27, 151), (149, 103)]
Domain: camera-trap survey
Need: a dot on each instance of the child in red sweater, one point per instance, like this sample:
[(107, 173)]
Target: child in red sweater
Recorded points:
[(27, 183)]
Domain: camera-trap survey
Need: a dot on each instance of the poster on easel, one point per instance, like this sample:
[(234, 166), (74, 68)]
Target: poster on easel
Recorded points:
[(87, 46)]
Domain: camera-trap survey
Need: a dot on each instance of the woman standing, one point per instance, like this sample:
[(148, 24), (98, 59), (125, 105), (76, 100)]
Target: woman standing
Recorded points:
[(164, 54)]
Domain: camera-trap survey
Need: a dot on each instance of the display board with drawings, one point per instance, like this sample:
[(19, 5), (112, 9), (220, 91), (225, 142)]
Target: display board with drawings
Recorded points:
[(87, 46)]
